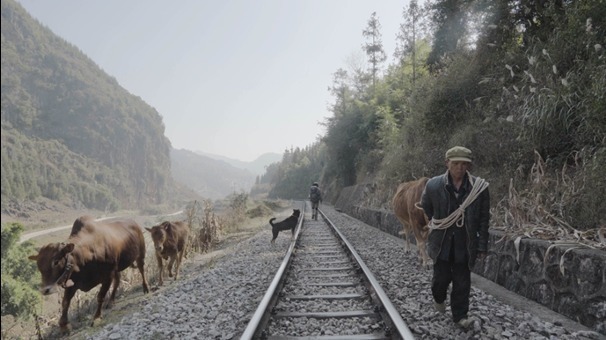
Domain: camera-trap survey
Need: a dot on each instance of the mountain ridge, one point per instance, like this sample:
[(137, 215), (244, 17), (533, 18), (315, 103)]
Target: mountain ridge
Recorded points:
[(88, 141), (208, 177), (257, 166)]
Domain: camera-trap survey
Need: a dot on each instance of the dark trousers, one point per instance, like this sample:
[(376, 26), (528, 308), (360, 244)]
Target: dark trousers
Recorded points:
[(445, 272), (314, 209)]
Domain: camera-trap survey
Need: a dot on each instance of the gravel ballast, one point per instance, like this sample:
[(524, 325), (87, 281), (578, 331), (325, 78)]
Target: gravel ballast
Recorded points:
[(218, 302)]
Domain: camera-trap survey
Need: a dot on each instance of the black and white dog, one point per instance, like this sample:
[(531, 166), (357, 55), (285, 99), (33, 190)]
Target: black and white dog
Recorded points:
[(289, 223)]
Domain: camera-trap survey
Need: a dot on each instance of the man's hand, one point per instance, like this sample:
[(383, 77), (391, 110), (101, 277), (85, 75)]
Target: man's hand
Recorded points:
[(481, 255)]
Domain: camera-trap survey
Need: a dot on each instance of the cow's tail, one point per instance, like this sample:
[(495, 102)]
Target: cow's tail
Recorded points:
[(271, 221)]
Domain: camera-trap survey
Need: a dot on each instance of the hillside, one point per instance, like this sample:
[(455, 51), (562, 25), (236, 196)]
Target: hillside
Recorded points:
[(72, 135), (521, 86), (208, 177), (257, 167), (70, 132)]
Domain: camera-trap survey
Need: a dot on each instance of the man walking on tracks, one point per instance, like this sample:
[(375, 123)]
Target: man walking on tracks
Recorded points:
[(458, 206), (315, 197)]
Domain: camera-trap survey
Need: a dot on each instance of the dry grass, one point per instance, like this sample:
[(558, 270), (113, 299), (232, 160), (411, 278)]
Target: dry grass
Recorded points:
[(534, 213)]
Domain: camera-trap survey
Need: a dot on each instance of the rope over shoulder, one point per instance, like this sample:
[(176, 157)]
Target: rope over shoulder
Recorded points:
[(458, 216)]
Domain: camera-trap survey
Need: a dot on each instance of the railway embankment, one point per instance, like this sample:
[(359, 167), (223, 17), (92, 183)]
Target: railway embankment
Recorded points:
[(565, 277)]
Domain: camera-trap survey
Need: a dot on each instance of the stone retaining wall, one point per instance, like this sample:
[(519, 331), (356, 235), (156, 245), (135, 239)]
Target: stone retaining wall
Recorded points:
[(570, 280)]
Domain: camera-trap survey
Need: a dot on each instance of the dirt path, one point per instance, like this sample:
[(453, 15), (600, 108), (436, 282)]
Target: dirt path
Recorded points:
[(34, 234)]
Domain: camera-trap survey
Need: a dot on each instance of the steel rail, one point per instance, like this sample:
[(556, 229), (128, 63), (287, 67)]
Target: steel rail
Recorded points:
[(257, 320), (391, 311)]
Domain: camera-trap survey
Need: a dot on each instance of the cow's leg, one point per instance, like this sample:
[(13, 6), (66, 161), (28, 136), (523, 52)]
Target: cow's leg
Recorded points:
[(406, 233), (160, 269), (116, 283), (421, 237), (171, 263), (179, 259), (67, 298), (101, 297), (141, 267), (423, 248)]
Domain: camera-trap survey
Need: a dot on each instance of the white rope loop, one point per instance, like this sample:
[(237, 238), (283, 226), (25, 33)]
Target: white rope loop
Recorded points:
[(458, 216)]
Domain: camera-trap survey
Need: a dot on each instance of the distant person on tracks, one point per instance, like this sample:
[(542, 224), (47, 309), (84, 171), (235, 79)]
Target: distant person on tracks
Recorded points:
[(458, 207), (315, 197)]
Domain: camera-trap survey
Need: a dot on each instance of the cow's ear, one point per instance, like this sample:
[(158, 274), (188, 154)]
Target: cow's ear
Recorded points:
[(67, 248), (33, 257), (148, 229), (166, 225)]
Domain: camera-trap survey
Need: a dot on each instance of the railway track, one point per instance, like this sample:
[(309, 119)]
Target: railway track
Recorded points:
[(323, 290)]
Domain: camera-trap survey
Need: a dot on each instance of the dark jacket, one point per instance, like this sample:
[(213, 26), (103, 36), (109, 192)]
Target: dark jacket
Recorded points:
[(315, 194), (439, 201)]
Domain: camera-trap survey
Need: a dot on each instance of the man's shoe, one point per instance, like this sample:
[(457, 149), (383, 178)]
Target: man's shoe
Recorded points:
[(465, 322), (440, 307)]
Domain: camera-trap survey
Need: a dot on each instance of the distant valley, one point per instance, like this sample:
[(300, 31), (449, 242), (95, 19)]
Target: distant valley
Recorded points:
[(214, 177), (257, 167), (72, 135)]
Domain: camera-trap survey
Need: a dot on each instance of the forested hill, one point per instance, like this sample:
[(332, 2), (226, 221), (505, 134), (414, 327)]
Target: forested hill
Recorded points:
[(521, 83), (70, 132), (218, 180)]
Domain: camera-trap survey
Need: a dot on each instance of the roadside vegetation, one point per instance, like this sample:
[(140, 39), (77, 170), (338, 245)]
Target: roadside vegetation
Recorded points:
[(28, 315), (522, 84)]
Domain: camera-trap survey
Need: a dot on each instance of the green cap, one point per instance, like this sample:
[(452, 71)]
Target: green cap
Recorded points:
[(459, 153)]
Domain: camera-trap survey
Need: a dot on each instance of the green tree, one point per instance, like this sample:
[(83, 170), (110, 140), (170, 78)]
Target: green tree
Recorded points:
[(412, 29), (532, 78), (298, 171), (374, 46), (535, 17), (450, 21), (20, 276), (341, 92)]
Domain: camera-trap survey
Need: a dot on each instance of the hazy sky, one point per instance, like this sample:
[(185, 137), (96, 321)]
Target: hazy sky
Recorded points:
[(237, 78)]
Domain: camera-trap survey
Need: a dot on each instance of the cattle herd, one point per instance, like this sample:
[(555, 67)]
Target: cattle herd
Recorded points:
[(97, 251)]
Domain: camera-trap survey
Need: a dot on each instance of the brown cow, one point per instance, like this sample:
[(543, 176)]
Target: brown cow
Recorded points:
[(413, 218), (169, 240), (95, 253)]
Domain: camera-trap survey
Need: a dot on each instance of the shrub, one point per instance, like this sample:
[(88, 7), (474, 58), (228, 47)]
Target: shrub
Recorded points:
[(20, 276)]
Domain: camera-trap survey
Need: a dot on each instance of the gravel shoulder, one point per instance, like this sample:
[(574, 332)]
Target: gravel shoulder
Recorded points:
[(218, 292), (45, 223), (133, 300), (519, 302)]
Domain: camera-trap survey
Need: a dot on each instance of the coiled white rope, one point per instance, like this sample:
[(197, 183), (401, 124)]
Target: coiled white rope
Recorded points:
[(458, 216)]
